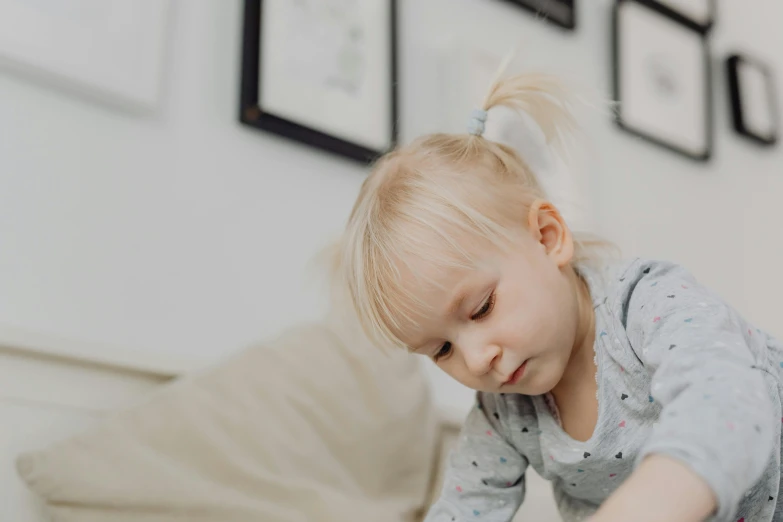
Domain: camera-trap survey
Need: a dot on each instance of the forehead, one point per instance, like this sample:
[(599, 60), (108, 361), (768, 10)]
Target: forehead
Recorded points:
[(424, 277), (434, 263)]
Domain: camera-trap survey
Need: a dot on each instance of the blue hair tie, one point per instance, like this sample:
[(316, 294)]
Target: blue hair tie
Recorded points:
[(477, 120)]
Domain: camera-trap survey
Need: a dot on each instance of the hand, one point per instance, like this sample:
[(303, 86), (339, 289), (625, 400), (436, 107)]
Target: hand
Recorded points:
[(661, 488)]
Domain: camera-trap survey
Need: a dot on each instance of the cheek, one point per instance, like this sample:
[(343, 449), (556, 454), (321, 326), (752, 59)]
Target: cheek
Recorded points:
[(460, 374), (548, 326), (455, 368), (560, 305), (452, 367), (539, 318), (529, 319)]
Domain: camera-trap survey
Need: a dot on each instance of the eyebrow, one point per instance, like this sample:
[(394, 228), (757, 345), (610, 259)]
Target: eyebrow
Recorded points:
[(457, 303)]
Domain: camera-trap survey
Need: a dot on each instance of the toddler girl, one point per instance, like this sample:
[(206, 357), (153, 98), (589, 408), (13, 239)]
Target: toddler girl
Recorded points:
[(637, 392)]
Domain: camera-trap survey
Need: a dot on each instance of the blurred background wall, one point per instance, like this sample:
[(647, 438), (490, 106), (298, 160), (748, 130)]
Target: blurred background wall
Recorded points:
[(184, 232)]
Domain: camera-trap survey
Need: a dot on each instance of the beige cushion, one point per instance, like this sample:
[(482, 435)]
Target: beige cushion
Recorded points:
[(307, 427)]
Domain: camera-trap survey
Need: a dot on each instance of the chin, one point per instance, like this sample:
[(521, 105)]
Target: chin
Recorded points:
[(541, 383), (533, 390)]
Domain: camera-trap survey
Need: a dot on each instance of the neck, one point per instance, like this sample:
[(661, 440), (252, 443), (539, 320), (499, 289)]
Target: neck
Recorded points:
[(581, 369)]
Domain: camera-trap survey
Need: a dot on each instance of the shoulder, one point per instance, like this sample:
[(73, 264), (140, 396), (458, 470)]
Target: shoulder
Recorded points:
[(636, 288), (655, 298), (633, 279), (630, 272), (665, 284)]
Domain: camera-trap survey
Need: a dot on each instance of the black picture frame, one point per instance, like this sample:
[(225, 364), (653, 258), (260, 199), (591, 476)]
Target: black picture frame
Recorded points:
[(701, 73), (670, 9), (739, 99), (561, 13), (251, 112)]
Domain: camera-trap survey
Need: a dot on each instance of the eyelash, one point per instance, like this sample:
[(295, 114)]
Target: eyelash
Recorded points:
[(443, 352), (485, 310)]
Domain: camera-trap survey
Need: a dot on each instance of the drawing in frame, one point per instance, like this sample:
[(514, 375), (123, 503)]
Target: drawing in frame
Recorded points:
[(662, 79), (322, 72)]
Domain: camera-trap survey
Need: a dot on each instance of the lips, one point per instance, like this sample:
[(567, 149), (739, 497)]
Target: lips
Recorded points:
[(514, 378)]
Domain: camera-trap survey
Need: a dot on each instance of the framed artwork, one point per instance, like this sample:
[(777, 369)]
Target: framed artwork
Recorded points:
[(558, 12), (110, 50), (699, 14), (662, 79), (754, 106), (322, 72)]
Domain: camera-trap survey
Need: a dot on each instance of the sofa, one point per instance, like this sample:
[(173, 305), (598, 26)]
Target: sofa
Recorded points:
[(313, 424)]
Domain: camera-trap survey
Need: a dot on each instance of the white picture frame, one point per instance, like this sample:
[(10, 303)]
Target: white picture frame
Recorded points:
[(110, 50), (322, 73), (662, 79)]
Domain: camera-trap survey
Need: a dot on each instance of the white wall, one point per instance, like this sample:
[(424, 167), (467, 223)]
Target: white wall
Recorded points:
[(185, 232), (190, 234)]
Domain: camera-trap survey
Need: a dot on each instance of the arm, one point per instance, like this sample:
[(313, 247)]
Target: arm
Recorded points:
[(715, 433), (485, 474), (661, 488)]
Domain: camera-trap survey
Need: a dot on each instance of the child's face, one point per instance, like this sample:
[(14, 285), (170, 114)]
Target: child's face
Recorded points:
[(516, 326)]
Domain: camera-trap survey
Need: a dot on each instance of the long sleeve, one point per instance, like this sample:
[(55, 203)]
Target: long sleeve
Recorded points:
[(709, 376), (485, 474)]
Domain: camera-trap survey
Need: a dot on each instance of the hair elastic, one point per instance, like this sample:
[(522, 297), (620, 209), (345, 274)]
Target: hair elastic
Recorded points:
[(477, 120)]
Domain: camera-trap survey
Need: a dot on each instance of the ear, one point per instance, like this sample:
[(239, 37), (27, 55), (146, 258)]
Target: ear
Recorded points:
[(547, 226)]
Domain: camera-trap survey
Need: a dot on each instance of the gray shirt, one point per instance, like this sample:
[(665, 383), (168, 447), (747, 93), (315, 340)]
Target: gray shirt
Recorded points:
[(680, 373)]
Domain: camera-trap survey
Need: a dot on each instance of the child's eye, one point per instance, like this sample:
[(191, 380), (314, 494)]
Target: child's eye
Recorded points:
[(486, 308), (444, 351)]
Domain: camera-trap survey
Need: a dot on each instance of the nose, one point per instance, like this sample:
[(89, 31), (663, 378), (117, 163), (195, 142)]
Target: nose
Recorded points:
[(481, 358)]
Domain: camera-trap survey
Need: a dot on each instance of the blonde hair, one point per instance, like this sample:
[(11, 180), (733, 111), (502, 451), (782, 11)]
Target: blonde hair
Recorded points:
[(419, 198)]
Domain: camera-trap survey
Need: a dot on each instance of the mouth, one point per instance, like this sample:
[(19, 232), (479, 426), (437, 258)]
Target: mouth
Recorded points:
[(518, 373)]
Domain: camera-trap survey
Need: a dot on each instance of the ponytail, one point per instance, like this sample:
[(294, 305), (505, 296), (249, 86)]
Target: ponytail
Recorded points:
[(542, 97)]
